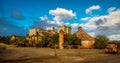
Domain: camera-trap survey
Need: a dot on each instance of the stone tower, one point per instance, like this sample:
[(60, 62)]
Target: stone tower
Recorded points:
[(61, 39)]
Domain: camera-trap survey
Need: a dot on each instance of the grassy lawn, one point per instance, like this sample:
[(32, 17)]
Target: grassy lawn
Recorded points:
[(47, 55)]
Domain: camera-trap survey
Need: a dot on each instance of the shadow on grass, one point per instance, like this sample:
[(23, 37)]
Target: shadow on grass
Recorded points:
[(118, 53), (29, 60)]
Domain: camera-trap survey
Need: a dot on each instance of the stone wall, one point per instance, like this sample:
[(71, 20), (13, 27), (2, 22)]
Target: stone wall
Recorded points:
[(86, 40), (61, 39), (87, 44), (65, 29), (36, 34)]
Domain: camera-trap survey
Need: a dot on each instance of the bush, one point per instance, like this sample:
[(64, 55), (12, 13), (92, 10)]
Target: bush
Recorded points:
[(54, 39), (71, 40), (4, 39), (2, 46), (43, 42), (101, 41)]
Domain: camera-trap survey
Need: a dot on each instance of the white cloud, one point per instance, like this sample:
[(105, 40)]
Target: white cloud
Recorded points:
[(111, 9), (90, 9), (67, 23), (49, 28), (44, 18), (92, 34), (74, 25), (84, 26), (114, 37), (62, 14), (97, 21), (85, 19), (108, 25), (51, 22)]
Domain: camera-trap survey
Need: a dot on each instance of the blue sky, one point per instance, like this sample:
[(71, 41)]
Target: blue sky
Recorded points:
[(95, 16)]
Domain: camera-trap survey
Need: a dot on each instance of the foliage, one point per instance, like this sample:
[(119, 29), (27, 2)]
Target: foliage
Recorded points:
[(22, 41), (101, 41), (4, 39), (76, 41), (55, 39), (71, 40), (43, 42)]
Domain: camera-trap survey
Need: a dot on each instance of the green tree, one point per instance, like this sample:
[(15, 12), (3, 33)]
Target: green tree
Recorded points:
[(22, 41), (43, 42), (101, 41), (75, 40), (72, 40), (4, 39), (69, 39), (55, 39)]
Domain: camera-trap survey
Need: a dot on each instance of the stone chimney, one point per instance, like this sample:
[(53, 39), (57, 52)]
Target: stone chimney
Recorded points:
[(80, 29), (53, 28)]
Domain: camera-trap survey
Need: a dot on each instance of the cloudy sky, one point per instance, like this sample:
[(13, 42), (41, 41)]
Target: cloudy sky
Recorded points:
[(95, 16)]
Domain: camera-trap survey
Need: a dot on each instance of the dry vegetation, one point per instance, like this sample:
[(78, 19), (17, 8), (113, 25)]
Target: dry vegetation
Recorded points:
[(47, 55)]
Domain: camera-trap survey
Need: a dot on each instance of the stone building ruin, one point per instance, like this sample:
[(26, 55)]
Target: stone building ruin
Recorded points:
[(63, 31), (61, 39), (36, 34), (86, 40)]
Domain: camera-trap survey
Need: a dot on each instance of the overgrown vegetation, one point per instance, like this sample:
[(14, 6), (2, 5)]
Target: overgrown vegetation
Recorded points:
[(22, 41), (101, 41), (43, 42), (71, 40), (4, 39), (54, 39)]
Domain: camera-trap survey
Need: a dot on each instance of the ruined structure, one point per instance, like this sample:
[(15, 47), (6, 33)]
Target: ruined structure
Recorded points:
[(86, 40), (14, 37), (61, 39), (35, 35), (63, 31)]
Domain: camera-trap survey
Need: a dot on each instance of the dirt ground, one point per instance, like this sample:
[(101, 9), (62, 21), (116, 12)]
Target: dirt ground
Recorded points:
[(48, 55)]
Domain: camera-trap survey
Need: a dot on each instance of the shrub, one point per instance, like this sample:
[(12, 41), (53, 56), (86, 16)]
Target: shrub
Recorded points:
[(101, 41)]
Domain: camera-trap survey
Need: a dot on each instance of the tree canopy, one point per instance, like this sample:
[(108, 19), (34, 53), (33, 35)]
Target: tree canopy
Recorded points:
[(71, 40), (55, 39), (101, 41)]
